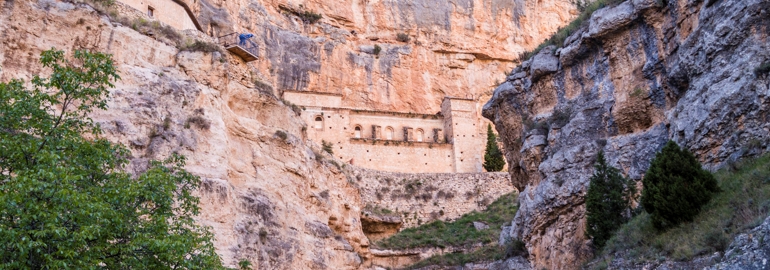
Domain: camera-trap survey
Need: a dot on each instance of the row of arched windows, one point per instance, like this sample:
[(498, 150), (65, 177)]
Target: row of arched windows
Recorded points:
[(389, 132)]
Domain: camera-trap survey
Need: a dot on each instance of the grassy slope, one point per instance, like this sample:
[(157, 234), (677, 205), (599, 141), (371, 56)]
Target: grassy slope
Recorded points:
[(744, 203), (459, 233)]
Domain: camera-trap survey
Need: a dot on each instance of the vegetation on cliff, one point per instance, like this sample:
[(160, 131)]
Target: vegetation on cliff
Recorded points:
[(66, 200), (586, 8), (493, 158), (609, 196), (459, 233), (676, 187), (743, 203)]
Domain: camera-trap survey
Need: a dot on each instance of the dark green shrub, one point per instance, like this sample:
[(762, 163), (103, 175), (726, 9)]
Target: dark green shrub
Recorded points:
[(198, 121), (281, 134), (764, 68), (377, 49), (310, 17), (327, 147), (675, 187), (493, 158), (200, 46), (245, 264), (515, 247), (402, 37), (609, 196)]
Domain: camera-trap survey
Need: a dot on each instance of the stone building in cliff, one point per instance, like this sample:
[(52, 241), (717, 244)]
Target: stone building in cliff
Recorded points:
[(450, 141), (175, 13)]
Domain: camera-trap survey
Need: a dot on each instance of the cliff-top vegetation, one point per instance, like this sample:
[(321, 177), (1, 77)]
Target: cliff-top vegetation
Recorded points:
[(586, 9)]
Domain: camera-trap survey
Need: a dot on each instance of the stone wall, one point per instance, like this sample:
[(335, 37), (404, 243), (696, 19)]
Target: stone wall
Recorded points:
[(464, 132), (396, 141), (166, 11), (422, 198)]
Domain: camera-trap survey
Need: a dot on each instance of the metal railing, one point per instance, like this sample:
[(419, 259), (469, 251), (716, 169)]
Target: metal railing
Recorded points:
[(232, 39)]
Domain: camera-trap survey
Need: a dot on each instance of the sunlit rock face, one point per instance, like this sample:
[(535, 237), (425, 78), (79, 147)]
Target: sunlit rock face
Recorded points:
[(461, 48)]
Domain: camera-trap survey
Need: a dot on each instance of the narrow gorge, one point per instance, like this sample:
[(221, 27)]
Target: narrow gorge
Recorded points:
[(281, 142)]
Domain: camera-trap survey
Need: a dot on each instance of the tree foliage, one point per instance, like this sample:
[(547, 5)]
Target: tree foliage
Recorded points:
[(328, 147), (675, 187), (66, 201), (609, 196), (493, 158)]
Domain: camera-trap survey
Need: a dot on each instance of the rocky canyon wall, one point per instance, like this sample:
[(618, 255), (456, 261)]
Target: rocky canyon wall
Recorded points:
[(269, 194), (266, 196), (457, 48), (633, 77)]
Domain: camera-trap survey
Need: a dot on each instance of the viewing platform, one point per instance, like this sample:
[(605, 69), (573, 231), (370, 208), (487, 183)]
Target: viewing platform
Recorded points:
[(247, 50)]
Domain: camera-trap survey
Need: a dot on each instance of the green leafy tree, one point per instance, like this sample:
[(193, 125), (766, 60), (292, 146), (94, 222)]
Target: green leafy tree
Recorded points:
[(66, 201), (676, 187), (493, 158), (609, 196)]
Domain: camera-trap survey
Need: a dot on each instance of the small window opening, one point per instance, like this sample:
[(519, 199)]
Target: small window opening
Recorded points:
[(358, 132), (319, 122), (150, 11), (419, 135)]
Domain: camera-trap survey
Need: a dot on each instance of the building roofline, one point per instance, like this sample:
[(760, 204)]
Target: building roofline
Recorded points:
[(312, 93), (459, 98), (190, 14), (394, 113), (436, 116)]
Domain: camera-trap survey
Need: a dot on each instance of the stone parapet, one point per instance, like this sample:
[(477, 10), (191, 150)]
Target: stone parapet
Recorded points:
[(419, 198)]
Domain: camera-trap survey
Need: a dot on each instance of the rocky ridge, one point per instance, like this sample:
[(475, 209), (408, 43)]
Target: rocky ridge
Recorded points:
[(635, 76)]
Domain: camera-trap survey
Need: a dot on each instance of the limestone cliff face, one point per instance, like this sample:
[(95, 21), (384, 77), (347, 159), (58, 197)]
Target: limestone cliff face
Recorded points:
[(457, 47), (265, 194), (638, 74)]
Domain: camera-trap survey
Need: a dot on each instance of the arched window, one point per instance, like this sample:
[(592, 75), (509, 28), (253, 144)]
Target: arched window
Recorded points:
[(358, 132), (418, 135), (319, 122), (389, 133)]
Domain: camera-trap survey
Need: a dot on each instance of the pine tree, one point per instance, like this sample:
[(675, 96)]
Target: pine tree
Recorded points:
[(676, 187), (493, 158), (609, 195)]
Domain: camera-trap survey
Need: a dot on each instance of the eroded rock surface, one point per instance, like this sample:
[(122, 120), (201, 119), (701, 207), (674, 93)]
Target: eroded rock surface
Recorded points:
[(455, 47), (267, 198), (639, 74)]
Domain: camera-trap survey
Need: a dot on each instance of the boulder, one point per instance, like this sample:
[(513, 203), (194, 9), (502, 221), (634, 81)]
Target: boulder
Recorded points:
[(544, 63), (480, 226)]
